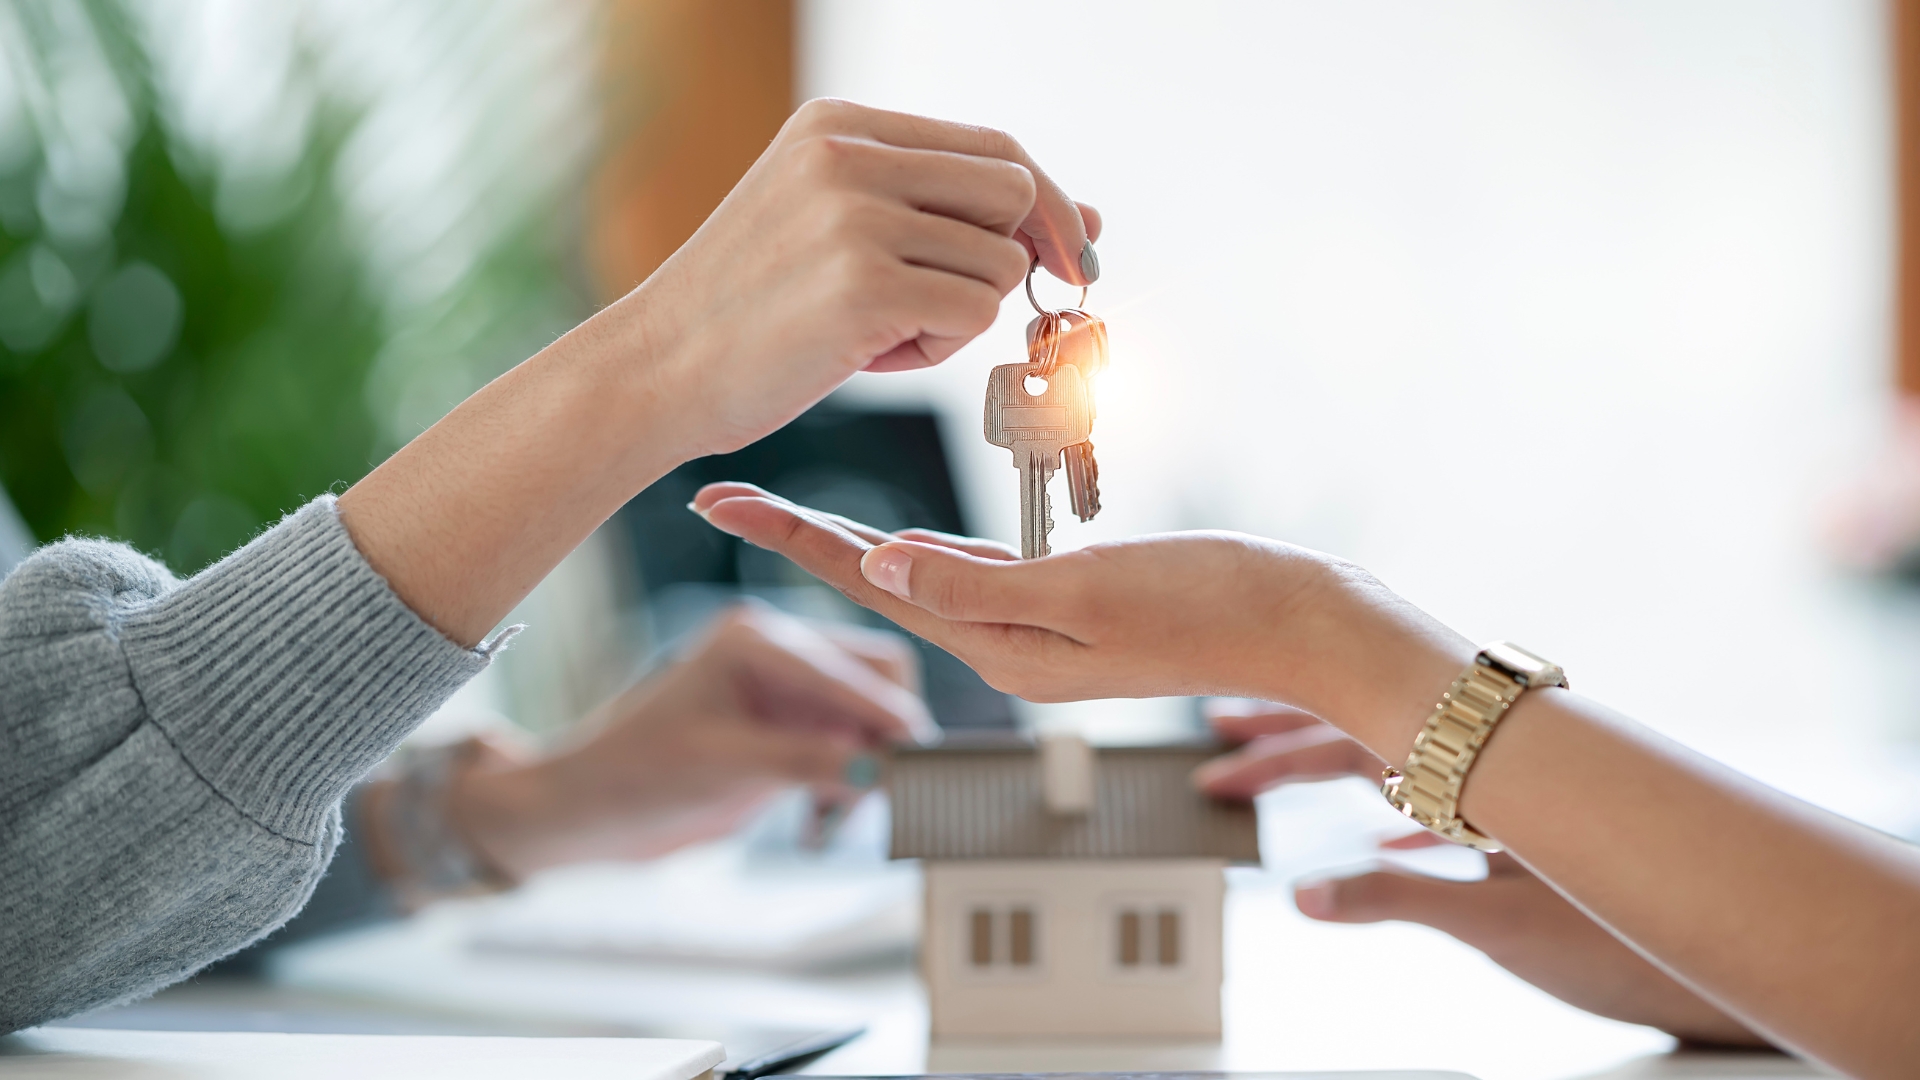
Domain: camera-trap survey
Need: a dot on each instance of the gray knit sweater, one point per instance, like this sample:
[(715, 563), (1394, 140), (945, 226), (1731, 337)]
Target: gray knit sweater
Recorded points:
[(173, 753)]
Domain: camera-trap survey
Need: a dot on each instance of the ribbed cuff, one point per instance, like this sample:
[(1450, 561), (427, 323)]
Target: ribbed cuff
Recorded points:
[(286, 671)]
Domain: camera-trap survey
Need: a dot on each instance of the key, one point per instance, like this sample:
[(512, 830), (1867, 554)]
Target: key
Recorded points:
[(1036, 427), (1083, 480), (1074, 338)]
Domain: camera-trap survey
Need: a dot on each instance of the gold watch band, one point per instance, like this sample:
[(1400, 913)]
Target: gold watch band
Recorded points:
[(1427, 789)]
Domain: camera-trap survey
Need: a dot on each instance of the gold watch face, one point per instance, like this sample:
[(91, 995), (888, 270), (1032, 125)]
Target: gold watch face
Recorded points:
[(1525, 668)]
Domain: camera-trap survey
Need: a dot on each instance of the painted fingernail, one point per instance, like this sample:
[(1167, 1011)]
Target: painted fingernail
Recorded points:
[(862, 772), (1089, 263), (1315, 901), (888, 569)]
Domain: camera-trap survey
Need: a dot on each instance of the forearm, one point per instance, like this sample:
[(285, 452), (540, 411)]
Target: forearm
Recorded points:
[(182, 749), (1748, 895), (464, 520), (861, 240)]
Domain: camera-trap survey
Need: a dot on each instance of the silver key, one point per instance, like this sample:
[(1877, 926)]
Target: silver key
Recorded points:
[(1076, 339), (1036, 427), (1083, 480)]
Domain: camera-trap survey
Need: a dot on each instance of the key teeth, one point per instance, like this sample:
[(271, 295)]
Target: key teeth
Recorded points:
[(1083, 480)]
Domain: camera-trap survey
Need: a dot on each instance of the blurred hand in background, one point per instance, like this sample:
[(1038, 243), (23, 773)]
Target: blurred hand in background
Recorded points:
[(1518, 920), (761, 702)]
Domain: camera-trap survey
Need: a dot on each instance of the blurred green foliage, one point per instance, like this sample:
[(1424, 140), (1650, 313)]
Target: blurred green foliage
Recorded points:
[(178, 383), (176, 386)]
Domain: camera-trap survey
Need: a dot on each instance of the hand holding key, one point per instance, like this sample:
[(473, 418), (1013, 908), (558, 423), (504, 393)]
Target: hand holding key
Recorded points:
[(861, 239)]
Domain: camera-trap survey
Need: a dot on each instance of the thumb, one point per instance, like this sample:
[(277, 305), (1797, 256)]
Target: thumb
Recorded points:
[(966, 588), (1383, 895)]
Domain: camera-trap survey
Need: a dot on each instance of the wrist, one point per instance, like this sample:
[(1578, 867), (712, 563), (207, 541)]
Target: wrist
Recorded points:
[(1396, 681), (503, 816), (624, 371), (1369, 662), (415, 830), (665, 365)]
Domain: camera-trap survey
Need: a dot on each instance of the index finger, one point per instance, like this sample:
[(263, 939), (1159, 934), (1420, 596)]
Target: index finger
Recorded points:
[(818, 683), (1055, 225), (1304, 756), (706, 497), (884, 651), (831, 552)]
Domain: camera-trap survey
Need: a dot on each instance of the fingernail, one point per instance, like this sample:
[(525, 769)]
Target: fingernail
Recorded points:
[(888, 569), (1089, 263), (1315, 901), (704, 516), (862, 772)]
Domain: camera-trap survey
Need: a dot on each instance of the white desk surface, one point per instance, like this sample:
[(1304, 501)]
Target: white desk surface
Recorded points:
[(1300, 996), (74, 1053)]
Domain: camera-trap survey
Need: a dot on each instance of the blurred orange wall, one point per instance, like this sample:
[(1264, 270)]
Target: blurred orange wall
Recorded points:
[(695, 91), (1904, 26)]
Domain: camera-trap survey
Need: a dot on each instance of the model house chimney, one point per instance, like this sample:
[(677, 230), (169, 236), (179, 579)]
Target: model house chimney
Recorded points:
[(1066, 774)]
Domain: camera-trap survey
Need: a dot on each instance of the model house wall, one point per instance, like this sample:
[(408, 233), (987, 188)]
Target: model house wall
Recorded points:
[(1081, 947)]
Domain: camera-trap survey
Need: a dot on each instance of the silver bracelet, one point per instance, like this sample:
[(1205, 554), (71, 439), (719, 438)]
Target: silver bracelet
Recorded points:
[(435, 860)]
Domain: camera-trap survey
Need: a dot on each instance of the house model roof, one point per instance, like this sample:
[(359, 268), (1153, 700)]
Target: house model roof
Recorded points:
[(1007, 797)]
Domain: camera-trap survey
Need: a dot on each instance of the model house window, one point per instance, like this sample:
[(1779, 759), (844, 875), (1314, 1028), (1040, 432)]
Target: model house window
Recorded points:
[(1001, 936), (1147, 937)]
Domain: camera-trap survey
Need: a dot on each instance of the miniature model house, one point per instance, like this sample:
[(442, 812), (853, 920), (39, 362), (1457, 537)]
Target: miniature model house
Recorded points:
[(1069, 890)]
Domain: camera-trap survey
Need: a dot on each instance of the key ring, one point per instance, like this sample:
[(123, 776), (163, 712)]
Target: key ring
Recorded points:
[(1044, 349), (1035, 265), (1046, 337)]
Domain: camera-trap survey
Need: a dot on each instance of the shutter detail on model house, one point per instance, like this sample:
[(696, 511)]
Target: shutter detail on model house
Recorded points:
[(1143, 937), (1020, 937), (980, 937), (1001, 937)]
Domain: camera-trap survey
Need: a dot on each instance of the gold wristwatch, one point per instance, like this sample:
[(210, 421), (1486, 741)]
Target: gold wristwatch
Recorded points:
[(1427, 788)]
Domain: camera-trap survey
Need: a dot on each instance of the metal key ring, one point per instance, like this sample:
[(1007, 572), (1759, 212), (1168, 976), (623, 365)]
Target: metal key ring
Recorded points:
[(1044, 350), (1035, 265)]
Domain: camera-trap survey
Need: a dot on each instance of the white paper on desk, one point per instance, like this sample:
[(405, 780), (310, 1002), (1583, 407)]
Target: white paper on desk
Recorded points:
[(712, 906), (200, 1055)]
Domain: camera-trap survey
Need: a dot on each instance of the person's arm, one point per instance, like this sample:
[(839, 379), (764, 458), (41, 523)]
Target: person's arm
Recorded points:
[(172, 755), (1511, 915), (861, 239), (1797, 922), (758, 703)]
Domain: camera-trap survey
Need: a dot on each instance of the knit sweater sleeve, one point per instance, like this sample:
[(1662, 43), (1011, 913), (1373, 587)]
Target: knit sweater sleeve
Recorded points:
[(173, 753)]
